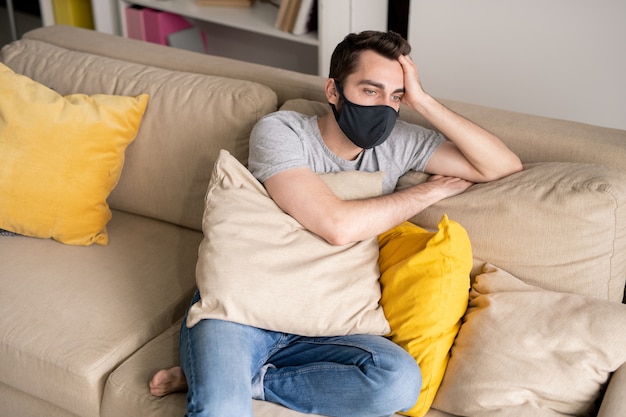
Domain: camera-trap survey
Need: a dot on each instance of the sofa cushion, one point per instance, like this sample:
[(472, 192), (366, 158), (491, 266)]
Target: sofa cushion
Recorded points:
[(425, 279), (70, 314), (61, 157), (189, 119), (559, 226), (18, 403), (258, 266), (531, 351)]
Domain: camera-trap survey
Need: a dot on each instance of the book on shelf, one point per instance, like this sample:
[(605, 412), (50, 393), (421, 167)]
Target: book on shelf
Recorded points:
[(152, 25), (287, 14), (225, 3), (135, 22), (306, 20)]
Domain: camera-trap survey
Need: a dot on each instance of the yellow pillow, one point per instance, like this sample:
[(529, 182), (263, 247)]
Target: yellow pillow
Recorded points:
[(60, 158), (425, 290)]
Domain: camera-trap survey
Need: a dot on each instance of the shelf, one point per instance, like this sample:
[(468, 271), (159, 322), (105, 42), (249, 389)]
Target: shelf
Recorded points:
[(259, 18)]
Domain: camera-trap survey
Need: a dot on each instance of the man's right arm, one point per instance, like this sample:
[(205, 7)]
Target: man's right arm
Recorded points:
[(304, 196)]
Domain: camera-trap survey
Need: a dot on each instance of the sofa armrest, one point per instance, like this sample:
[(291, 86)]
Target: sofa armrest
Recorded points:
[(613, 403)]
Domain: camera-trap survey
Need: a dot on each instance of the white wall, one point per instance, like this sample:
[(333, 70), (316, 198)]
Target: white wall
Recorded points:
[(555, 58)]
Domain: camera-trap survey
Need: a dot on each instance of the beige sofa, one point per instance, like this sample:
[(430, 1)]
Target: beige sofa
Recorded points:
[(83, 328)]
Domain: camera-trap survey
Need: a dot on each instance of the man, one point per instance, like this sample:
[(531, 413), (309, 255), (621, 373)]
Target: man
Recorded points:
[(359, 375)]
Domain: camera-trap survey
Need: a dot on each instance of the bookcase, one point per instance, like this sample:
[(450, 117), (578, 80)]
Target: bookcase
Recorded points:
[(249, 33)]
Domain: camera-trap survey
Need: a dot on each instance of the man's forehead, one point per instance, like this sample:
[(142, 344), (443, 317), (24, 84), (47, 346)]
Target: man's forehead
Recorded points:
[(375, 68)]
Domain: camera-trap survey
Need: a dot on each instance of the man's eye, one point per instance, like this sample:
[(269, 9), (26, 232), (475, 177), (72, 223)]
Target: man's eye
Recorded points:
[(370, 92), (396, 98)]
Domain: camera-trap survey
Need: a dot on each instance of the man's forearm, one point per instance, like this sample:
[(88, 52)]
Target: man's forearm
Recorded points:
[(358, 220), (489, 156)]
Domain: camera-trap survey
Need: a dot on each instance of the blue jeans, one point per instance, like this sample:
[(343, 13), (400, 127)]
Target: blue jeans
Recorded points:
[(226, 364)]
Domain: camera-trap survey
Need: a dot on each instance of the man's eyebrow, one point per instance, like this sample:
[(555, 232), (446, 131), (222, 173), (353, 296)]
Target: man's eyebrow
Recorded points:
[(379, 85)]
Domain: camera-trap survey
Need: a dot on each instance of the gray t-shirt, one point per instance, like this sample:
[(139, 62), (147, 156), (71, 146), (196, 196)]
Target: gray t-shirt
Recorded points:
[(286, 139)]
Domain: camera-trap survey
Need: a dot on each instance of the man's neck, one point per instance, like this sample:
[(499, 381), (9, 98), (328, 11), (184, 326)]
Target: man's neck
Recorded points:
[(336, 140)]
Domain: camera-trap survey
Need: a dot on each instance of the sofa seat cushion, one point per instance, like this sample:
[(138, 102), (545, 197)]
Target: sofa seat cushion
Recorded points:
[(18, 403), (70, 314), (126, 393), (189, 118)]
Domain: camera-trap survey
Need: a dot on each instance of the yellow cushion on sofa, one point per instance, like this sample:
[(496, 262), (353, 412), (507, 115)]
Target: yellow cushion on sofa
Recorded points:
[(61, 157), (425, 290)]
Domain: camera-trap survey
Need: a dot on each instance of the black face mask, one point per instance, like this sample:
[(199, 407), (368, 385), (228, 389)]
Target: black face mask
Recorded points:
[(365, 126)]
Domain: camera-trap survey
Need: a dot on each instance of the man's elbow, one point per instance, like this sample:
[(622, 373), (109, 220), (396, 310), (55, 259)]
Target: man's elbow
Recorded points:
[(337, 238), (337, 233), (504, 171)]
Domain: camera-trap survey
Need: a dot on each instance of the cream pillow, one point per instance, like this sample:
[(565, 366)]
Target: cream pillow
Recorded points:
[(524, 351), (258, 266), (61, 157)]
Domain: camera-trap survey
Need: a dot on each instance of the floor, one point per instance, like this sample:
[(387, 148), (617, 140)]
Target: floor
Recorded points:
[(24, 22)]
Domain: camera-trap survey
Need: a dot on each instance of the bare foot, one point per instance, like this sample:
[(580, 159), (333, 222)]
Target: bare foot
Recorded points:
[(167, 381)]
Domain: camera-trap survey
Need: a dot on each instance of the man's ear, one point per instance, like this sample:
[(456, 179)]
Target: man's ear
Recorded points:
[(332, 95)]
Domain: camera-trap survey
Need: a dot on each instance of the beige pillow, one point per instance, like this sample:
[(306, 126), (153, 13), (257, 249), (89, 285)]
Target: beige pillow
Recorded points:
[(524, 351), (559, 226), (258, 266)]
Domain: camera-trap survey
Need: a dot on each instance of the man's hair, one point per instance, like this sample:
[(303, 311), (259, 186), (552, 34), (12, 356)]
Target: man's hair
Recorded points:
[(345, 57)]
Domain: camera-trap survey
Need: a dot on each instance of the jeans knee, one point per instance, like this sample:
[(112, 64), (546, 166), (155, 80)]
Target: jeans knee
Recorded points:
[(398, 384), (408, 385), (404, 384)]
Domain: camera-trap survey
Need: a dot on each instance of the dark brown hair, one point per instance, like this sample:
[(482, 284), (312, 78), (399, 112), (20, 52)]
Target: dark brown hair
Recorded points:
[(345, 57)]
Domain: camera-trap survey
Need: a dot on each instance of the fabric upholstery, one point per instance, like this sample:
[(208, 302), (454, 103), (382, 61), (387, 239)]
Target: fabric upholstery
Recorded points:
[(613, 403), (71, 314)]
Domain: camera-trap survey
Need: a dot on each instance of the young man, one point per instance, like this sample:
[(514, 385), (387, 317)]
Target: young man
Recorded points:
[(226, 364)]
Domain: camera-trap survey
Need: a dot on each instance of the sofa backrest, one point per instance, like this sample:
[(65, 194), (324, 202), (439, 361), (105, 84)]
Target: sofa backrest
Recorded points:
[(287, 84), (189, 118)]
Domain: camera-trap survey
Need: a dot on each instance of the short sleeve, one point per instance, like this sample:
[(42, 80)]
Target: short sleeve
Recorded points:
[(276, 145)]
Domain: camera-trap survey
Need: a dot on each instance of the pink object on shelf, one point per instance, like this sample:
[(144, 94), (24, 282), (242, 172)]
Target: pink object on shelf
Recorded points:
[(135, 22), (160, 24), (152, 25)]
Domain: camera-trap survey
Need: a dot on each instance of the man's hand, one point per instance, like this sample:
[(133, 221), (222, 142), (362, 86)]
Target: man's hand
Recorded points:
[(472, 153), (449, 186), (413, 91)]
